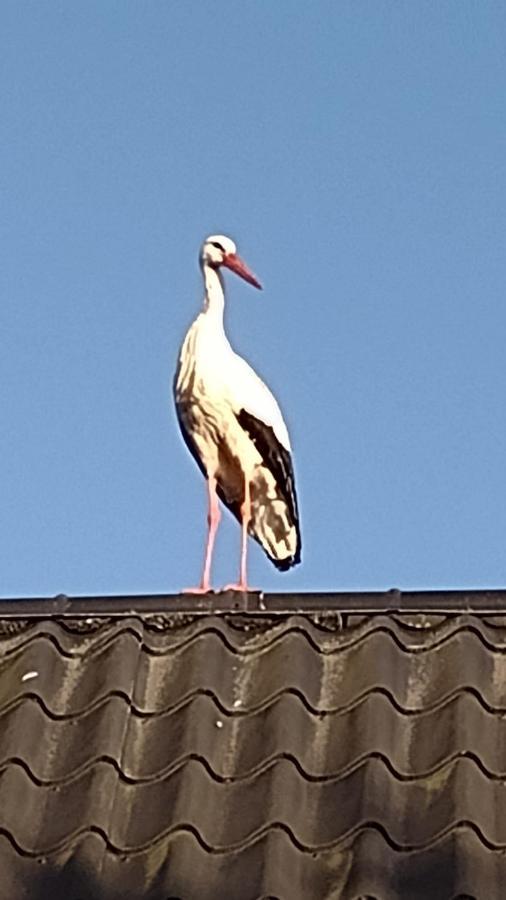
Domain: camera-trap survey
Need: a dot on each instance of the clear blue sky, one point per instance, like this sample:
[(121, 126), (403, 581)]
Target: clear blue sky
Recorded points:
[(356, 151)]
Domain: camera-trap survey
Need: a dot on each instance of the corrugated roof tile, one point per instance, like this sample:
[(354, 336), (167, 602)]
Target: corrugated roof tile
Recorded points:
[(249, 757)]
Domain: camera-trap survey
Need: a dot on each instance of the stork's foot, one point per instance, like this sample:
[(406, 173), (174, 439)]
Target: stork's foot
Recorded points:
[(198, 590), (240, 586)]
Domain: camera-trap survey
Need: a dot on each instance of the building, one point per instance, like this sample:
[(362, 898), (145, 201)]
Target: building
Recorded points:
[(344, 746)]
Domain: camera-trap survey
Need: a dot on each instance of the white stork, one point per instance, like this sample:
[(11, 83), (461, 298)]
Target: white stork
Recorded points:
[(233, 426)]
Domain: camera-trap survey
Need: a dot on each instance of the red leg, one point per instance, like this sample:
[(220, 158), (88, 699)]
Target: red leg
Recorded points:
[(242, 584), (213, 520)]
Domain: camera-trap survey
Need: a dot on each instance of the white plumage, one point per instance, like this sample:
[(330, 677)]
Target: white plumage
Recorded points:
[(233, 426)]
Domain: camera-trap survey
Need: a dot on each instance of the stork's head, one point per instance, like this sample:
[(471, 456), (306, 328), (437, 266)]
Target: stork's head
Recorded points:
[(218, 250)]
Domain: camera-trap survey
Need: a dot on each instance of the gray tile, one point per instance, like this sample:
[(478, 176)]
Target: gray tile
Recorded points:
[(169, 755)]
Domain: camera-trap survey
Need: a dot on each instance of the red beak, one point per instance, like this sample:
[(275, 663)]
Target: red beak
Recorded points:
[(235, 263)]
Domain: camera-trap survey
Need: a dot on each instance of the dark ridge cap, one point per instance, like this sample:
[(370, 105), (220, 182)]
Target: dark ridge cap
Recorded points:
[(481, 602)]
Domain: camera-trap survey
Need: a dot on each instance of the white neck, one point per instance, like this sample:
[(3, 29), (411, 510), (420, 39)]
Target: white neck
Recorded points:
[(214, 299)]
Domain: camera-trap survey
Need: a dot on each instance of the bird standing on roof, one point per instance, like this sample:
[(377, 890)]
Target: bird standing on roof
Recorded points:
[(233, 426)]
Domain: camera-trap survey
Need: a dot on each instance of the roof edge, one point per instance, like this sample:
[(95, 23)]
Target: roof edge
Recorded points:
[(376, 602)]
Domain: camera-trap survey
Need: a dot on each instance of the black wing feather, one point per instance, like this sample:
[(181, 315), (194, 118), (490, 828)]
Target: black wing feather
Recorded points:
[(277, 459), (182, 415)]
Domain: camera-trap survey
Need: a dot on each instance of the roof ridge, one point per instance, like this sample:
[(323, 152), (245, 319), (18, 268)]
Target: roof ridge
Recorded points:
[(480, 601)]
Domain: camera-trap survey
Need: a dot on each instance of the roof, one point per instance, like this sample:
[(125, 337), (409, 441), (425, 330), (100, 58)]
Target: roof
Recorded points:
[(329, 746)]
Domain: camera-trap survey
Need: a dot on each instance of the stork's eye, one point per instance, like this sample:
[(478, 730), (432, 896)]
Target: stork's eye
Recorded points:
[(218, 246)]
